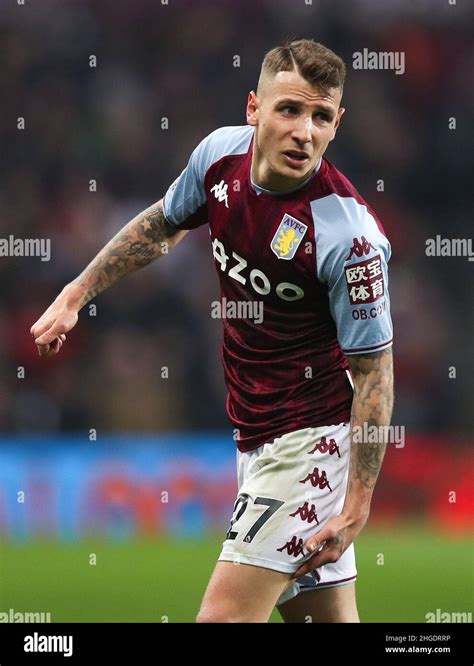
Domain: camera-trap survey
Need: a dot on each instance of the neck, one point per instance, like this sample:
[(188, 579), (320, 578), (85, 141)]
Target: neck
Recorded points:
[(262, 176), (269, 180)]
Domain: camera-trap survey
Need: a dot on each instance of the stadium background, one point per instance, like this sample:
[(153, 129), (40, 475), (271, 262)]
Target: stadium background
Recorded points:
[(115, 460)]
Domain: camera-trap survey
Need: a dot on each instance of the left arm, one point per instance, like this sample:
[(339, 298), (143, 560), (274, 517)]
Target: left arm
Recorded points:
[(372, 404)]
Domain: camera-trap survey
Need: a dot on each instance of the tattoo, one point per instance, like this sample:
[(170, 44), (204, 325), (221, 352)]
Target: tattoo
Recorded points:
[(372, 405), (144, 239), (142, 252)]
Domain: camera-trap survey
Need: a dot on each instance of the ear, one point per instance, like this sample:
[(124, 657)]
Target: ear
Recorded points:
[(338, 121), (252, 108)]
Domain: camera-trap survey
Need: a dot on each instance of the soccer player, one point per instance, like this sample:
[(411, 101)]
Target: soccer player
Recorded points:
[(293, 241)]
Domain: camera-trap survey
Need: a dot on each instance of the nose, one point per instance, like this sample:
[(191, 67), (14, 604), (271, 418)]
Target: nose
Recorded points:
[(302, 130)]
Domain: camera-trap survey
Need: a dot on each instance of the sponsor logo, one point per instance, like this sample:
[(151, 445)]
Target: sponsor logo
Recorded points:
[(258, 280), (365, 281), (369, 313), (307, 513), (360, 247), (293, 547), (327, 447), (220, 192), (318, 480), (287, 238)]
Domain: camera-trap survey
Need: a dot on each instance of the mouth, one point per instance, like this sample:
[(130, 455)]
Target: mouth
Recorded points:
[(296, 158)]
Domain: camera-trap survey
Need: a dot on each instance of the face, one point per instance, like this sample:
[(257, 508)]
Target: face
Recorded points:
[(294, 124)]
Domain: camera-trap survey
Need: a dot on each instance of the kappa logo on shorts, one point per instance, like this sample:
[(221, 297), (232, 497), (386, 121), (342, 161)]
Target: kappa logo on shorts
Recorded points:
[(293, 547), (324, 447), (287, 238), (318, 480), (306, 513)]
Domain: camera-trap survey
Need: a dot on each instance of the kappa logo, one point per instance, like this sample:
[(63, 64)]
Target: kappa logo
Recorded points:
[(327, 447), (288, 237), (293, 547), (318, 480), (307, 513), (220, 192), (360, 248)]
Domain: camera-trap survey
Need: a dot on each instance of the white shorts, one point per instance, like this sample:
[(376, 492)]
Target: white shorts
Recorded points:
[(288, 490)]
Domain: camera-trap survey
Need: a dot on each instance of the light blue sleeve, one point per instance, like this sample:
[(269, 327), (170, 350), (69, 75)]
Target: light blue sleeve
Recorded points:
[(186, 194), (352, 255), (186, 197)]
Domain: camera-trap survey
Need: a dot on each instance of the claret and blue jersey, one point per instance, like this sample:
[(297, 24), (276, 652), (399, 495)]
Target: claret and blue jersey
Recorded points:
[(315, 256)]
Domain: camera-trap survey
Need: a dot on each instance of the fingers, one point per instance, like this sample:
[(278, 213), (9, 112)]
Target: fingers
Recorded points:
[(49, 330), (42, 324), (317, 541), (315, 544), (325, 552), (48, 336), (48, 350), (43, 349), (39, 329), (53, 325), (314, 562)]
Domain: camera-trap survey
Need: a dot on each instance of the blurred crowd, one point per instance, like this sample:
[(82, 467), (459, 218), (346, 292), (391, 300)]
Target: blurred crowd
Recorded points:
[(148, 357)]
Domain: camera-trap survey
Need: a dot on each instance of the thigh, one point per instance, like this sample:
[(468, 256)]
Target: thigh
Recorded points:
[(241, 593), (327, 604)]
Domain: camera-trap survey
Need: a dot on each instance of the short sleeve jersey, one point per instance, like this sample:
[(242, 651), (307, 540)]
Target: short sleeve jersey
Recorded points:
[(303, 277)]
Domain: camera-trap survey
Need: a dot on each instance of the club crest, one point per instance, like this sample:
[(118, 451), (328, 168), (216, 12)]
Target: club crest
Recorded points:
[(288, 237)]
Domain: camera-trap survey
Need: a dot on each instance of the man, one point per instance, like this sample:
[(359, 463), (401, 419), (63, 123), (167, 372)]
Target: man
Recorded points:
[(289, 232)]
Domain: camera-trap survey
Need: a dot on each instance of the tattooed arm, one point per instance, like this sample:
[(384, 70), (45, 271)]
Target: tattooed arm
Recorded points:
[(145, 238), (371, 405)]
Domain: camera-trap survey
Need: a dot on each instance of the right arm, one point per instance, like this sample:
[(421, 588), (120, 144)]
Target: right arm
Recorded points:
[(145, 238)]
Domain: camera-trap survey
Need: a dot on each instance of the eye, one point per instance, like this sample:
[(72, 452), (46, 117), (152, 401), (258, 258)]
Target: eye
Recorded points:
[(322, 116), (289, 110)]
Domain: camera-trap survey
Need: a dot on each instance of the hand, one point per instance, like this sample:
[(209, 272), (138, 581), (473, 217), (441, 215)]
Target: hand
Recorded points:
[(329, 544), (62, 315)]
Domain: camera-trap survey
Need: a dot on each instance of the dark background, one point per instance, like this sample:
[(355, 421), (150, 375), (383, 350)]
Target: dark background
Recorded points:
[(104, 123)]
